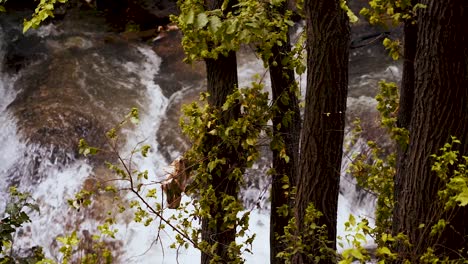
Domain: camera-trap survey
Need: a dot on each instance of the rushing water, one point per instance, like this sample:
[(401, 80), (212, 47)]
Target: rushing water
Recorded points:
[(109, 77)]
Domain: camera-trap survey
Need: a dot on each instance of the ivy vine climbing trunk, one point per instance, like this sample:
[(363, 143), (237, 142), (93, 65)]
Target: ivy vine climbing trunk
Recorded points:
[(286, 131), (222, 80), (440, 111), (216, 230), (324, 120)]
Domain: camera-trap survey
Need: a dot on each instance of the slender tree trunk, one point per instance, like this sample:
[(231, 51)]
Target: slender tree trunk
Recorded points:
[(324, 117), (407, 83), (286, 128), (222, 80), (440, 110)]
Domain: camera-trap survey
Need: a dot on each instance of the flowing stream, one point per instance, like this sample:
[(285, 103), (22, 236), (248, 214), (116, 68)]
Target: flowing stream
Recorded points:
[(80, 81)]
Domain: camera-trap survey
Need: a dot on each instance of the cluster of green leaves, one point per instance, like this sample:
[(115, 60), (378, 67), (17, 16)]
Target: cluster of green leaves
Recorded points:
[(352, 17), (452, 170), (375, 170), (396, 11), (393, 12), (14, 217), (393, 47), (44, 10), (356, 237), (145, 207), (72, 247), (450, 167), (208, 33), (203, 124), (311, 240), (17, 213)]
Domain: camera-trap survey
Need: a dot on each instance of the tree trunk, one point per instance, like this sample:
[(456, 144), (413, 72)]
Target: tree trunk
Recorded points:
[(286, 128), (407, 83), (440, 110), (222, 80), (324, 117)]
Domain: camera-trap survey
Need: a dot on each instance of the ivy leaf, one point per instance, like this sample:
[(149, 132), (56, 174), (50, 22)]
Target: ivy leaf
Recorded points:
[(462, 198), (26, 25), (352, 220), (211, 166), (250, 141), (190, 17), (361, 237), (232, 28), (384, 251), (214, 23), (202, 20), (357, 254), (289, 22)]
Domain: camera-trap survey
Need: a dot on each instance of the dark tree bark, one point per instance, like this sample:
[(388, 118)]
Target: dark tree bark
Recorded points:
[(410, 31), (286, 128), (440, 110), (324, 116)]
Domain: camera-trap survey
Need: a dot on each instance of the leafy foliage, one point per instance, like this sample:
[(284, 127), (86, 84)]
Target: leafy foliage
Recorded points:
[(210, 33), (452, 169), (202, 123), (393, 12), (378, 175), (14, 217), (44, 10), (312, 240)]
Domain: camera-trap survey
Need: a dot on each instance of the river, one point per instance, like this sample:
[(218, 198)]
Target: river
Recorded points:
[(76, 79)]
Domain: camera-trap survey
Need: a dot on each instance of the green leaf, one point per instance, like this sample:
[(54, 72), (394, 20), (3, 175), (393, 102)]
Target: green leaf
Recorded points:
[(352, 220), (360, 237), (214, 23), (462, 198), (357, 254), (144, 150), (190, 17), (26, 26), (250, 141), (202, 20), (232, 28), (383, 251), (211, 166)]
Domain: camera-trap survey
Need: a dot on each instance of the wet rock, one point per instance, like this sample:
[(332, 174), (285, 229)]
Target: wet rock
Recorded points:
[(175, 73), (52, 112), (77, 89), (182, 83), (171, 142)]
